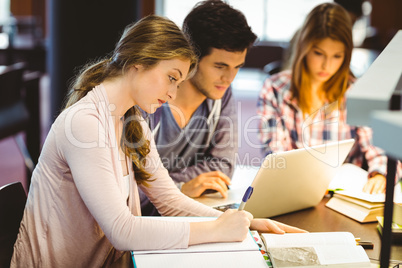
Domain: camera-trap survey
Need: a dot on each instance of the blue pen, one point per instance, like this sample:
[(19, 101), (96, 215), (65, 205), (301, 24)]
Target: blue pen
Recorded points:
[(246, 197)]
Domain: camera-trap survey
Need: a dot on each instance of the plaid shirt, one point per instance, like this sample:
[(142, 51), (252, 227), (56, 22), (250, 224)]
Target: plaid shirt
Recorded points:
[(282, 126)]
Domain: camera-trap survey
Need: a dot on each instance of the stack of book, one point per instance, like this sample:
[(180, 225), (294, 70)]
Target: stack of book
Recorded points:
[(350, 200), (359, 206), (396, 230), (397, 218)]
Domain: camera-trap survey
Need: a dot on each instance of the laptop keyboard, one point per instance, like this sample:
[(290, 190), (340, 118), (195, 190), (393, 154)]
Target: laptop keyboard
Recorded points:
[(227, 206)]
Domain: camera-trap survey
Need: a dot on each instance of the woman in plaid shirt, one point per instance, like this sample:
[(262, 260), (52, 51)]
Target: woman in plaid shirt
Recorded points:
[(307, 105)]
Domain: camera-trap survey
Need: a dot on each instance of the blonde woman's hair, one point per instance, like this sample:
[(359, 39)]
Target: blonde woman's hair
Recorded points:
[(146, 42), (328, 20)]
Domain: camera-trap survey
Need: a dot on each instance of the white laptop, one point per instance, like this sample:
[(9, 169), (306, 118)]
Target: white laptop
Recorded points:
[(294, 180)]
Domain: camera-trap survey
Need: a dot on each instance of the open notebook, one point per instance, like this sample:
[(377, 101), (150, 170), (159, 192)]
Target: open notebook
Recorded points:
[(330, 249), (335, 249)]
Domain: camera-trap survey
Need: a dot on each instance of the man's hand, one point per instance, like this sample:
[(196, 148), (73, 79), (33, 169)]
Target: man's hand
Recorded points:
[(375, 185), (215, 180)]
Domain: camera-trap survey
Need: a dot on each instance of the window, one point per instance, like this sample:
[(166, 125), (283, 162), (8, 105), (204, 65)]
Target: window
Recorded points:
[(4, 23), (4, 10), (271, 20)]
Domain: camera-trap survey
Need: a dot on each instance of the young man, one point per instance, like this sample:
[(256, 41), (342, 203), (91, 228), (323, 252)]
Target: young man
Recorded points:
[(196, 134)]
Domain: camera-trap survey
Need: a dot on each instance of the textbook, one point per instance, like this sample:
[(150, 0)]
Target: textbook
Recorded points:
[(397, 217), (361, 207), (232, 254), (330, 249), (396, 230), (351, 201)]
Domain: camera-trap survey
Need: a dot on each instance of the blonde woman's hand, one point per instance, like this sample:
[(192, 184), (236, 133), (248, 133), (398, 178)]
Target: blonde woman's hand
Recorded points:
[(231, 226), (271, 226)]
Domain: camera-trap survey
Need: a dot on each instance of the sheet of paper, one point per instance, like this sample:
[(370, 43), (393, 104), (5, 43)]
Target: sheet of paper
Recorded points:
[(352, 179), (349, 177)]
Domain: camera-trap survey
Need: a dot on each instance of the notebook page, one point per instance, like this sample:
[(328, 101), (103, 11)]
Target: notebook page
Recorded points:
[(311, 249), (330, 254), (201, 260), (344, 256), (247, 244), (349, 177), (308, 239)]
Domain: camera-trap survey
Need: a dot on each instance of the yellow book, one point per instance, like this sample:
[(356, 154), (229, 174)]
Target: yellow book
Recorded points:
[(396, 229), (397, 218), (360, 207)]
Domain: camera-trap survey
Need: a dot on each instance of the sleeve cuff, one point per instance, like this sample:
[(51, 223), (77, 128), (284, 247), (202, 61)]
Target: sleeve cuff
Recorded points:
[(180, 184)]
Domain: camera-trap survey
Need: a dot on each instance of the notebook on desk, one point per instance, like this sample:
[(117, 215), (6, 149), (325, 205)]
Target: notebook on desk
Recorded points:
[(294, 180), (212, 255)]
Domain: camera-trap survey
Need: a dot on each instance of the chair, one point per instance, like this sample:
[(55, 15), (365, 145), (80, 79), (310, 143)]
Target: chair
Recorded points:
[(273, 67), (12, 204), (14, 115), (264, 53)]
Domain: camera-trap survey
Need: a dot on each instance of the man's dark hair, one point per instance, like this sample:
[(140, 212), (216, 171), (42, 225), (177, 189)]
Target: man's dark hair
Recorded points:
[(352, 6), (215, 24)]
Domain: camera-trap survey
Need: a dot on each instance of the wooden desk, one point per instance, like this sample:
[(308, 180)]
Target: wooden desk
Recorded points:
[(323, 219), (315, 219)]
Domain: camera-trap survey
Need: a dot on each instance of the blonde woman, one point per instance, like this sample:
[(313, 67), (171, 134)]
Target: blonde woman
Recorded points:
[(83, 201), (306, 105)]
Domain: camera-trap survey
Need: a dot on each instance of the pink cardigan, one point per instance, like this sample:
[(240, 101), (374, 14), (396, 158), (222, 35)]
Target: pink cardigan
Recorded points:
[(76, 213)]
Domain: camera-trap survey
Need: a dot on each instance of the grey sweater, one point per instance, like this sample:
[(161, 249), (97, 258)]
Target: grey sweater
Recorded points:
[(201, 146)]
